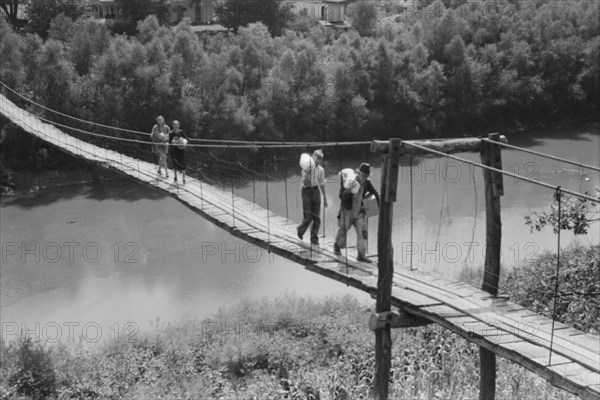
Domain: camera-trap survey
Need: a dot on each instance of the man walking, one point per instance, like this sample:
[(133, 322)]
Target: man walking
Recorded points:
[(313, 183), (352, 213)]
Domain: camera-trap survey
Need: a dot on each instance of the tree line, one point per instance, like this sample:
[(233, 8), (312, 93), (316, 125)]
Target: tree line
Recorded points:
[(452, 68)]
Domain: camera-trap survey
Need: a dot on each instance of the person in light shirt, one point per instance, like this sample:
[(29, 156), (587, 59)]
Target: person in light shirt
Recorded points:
[(160, 147), (313, 183)]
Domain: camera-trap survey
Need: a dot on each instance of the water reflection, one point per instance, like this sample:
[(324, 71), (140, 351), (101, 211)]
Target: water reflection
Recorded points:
[(126, 259)]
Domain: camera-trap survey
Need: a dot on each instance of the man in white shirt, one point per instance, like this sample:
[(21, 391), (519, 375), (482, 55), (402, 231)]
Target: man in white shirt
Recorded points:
[(313, 183)]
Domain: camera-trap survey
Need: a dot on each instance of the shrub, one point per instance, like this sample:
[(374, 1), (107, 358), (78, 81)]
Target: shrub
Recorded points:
[(35, 373), (578, 300)]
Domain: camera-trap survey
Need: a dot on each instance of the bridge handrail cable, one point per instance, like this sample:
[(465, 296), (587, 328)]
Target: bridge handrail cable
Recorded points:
[(252, 145), (511, 174), (537, 153), (236, 142)]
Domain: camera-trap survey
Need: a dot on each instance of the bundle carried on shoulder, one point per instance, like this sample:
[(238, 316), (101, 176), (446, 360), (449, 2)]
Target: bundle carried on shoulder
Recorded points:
[(306, 161), (348, 177)]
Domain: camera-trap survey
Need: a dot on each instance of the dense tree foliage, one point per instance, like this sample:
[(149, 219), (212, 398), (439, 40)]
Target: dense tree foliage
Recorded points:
[(363, 16), (436, 71), (133, 11), (275, 14), (41, 13)]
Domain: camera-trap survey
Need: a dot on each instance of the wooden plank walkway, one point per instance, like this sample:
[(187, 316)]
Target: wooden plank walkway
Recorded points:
[(496, 324)]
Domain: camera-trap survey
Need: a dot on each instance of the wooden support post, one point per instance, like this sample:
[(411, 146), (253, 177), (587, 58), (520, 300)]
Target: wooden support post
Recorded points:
[(491, 156), (383, 341)]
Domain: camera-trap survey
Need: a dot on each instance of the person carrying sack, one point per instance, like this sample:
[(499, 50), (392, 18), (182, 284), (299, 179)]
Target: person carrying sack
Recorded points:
[(178, 139), (352, 212), (313, 183)]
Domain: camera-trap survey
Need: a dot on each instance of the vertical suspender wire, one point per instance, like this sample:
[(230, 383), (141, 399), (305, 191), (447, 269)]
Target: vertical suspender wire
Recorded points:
[(411, 212), (472, 172), (296, 158), (267, 189), (201, 185), (366, 217), (216, 164), (253, 188), (285, 182), (558, 198), (314, 179), (310, 249), (232, 193), (324, 218), (121, 155), (444, 197), (342, 215), (94, 144)]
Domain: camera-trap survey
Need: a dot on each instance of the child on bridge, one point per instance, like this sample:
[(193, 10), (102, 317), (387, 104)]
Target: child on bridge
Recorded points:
[(160, 147)]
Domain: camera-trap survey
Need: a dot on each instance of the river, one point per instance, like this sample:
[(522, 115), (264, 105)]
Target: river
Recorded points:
[(91, 259)]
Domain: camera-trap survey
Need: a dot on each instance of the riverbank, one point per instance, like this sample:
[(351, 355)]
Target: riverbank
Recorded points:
[(286, 347), (28, 165), (291, 347)]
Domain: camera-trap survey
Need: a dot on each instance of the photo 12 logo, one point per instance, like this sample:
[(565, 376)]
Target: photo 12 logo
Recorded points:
[(234, 253), (69, 332), (465, 252), (53, 252)]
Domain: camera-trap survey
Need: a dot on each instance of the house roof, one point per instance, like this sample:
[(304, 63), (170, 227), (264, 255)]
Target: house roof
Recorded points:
[(318, 1), (209, 28), (336, 24)]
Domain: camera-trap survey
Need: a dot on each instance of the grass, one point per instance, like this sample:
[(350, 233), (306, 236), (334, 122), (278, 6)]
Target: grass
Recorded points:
[(283, 348)]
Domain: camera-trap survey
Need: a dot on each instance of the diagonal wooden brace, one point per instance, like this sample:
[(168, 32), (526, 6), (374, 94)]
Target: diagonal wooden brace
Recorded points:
[(396, 319)]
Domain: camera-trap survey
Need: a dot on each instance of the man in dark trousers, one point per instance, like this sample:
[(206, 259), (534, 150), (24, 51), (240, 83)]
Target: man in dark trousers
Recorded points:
[(313, 183), (352, 213)]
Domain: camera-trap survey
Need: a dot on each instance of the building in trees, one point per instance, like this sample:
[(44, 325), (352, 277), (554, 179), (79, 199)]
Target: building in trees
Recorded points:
[(15, 11), (104, 9), (326, 12), (199, 12)]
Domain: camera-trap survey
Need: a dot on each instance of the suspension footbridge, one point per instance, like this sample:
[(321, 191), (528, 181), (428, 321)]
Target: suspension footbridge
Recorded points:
[(567, 358)]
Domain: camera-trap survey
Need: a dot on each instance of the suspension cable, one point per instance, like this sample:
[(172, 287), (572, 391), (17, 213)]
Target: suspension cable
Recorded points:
[(537, 153), (205, 145), (250, 143), (511, 174), (267, 189)]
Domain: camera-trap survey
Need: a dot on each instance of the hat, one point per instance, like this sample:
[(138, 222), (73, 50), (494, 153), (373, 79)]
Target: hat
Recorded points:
[(318, 154), (364, 169)]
